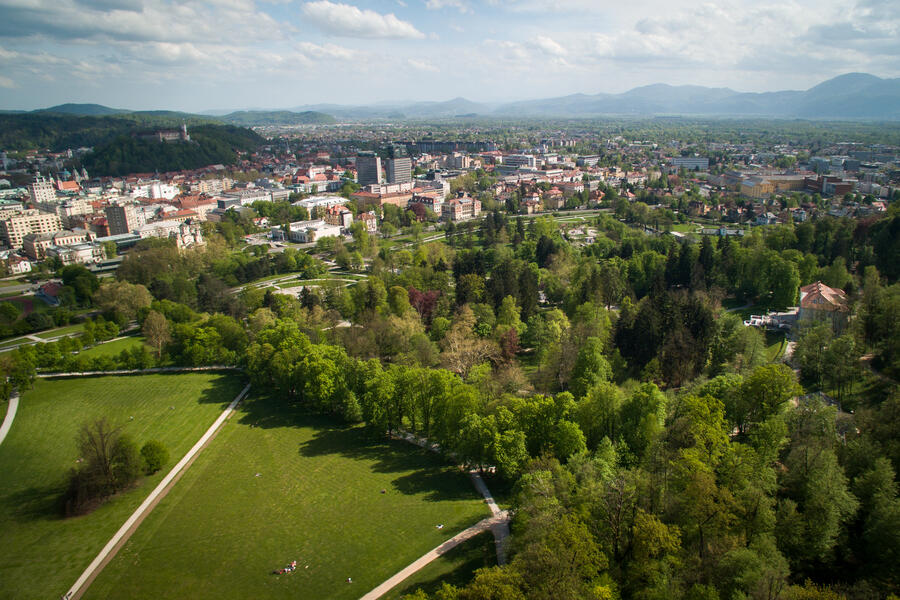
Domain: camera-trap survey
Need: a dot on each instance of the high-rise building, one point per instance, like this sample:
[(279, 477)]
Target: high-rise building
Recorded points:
[(41, 192), (121, 219), (15, 228), (368, 168), (399, 165)]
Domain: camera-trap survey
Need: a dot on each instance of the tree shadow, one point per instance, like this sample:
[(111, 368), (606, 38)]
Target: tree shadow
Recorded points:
[(36, 503), (423, 472), (477, 553)]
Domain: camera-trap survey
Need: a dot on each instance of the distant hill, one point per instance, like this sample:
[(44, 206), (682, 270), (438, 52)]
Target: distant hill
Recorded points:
[(209, 144), (850, 96), (279, 117), (82, 110)]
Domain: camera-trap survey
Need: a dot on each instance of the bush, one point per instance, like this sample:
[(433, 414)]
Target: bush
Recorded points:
[(155, 456)]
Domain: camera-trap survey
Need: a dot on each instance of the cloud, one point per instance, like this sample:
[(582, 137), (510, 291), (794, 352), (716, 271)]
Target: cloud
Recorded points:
[(201, 21), (549, 46), (349, 21), (6, 82), (327, 51), (460, 5), (422, 65)]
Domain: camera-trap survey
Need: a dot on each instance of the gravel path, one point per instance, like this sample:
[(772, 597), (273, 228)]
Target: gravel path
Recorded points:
[(10, 414), (453, 542), (121, 536)]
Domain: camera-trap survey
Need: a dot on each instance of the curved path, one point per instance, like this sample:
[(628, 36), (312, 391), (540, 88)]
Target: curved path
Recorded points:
[(453, 542), (10, 414), (147, 505), (497, 523)]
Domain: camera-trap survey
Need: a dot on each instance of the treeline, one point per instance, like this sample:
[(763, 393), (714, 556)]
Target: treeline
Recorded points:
[(209, 144)]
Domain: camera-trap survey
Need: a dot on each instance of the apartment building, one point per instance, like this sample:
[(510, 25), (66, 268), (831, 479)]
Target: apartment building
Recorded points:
[(14, 229)]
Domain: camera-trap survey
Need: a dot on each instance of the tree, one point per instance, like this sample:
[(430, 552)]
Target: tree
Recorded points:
[(155, 456), (122, 299), (156, 331), (591, 367), (110, 463)]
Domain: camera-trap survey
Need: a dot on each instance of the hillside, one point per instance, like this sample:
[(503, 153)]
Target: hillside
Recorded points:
[(209, 144), (57, 132), (82, 110), (279, 117)]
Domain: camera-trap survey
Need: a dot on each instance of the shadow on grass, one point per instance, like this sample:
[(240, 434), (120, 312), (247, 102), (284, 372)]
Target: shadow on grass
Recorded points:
[(476, 553), (37, 503), (422, 472)]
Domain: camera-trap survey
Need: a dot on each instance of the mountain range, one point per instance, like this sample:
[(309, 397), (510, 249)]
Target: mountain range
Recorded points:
[(850, 96)]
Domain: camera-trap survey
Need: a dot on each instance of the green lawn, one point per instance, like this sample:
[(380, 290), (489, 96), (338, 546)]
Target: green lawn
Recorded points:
[(456, 567), (113, 348), (775, 343), (43, 554), (277, 485), (52, 333)]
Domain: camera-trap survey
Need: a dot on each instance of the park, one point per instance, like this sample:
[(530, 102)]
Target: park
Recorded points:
[(275, 485)]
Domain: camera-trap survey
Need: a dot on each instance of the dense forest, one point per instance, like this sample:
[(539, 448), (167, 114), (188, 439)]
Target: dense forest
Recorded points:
[(58, 132), (648, 445), (209, 144)]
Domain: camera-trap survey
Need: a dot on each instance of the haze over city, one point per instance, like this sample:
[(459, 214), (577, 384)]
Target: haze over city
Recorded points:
[(222, 54)]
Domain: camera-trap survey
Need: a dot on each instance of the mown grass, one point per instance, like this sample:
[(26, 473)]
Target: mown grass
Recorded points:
[(455, 568), (278, 485), (42, 553)]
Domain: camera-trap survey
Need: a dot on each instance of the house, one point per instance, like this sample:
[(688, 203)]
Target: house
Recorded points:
[(338, 215), (766, 219), (461, 208), (49, 293), (818, 302), (369, 220), (18, 264)]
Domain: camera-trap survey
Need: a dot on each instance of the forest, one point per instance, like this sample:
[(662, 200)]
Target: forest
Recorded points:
[(209, 145), (649, 446)]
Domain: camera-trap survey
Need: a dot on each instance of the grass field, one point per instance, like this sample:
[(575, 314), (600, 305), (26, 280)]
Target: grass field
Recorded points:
[(277, 485), (456, 567), (42, 554), (775, 343), (52, 333), (113, 348)]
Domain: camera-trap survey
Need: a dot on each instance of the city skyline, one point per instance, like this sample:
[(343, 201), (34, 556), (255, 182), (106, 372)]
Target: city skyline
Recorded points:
[(226, 54)]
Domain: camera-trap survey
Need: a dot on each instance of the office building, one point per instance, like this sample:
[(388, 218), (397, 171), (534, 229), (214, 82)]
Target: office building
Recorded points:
[(121, 219), (368, 169), (520, 160), (691, 163), (398, 165)]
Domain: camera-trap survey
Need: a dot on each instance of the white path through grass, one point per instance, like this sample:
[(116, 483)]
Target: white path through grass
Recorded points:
[(10, 414), (147, 505), (450, 544)]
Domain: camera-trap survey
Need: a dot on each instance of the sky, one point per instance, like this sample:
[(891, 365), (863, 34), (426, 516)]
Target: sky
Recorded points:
[(197, 55)]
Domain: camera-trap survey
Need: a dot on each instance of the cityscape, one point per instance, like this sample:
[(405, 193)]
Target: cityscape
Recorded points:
[(620, 320)]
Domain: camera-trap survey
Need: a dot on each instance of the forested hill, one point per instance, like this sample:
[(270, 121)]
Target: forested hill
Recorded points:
[(279, 117), (209, 144), (33, 131)]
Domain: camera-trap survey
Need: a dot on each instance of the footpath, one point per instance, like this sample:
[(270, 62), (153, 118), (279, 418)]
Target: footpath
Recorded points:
[(131, 525), (497, 523), (10, 414), (139, 371)]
